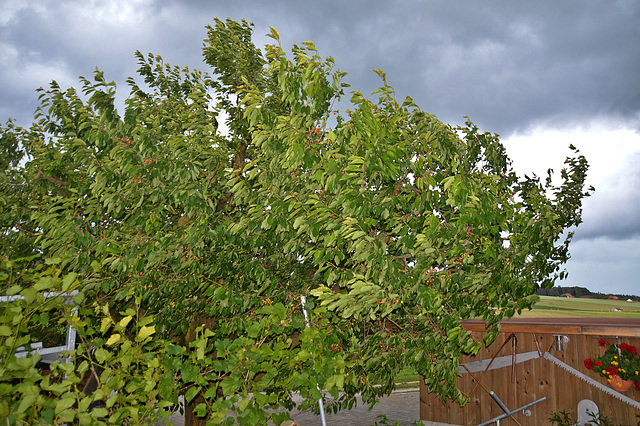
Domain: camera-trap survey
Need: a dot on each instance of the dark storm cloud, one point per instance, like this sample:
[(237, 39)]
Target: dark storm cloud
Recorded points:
[(55, 43), (505, 64)]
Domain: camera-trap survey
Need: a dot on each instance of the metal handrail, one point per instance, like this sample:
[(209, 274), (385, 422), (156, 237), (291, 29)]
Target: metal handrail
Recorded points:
[(507, 412), (70, 343)]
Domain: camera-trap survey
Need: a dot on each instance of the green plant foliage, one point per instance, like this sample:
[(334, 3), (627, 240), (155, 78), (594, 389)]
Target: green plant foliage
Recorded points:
[(127, 365), (192, 246), (563, 418), (384, 421)]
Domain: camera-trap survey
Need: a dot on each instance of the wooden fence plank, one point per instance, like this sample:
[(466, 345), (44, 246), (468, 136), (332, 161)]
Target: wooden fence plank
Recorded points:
[(538, 377)]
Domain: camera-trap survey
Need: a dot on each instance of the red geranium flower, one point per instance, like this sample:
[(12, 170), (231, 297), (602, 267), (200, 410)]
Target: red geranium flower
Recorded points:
[(619, 359), (627, 347)]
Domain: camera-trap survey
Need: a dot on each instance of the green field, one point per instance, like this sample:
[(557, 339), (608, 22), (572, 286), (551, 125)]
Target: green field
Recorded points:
[(564, 307)]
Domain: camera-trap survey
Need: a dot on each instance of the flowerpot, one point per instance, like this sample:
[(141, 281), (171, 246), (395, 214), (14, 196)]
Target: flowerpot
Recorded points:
[(620, 385)]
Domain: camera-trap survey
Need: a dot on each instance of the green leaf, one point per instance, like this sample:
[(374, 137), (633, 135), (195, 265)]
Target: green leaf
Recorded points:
[(254, 330), (452, 334), (83, 405), (64, 403), (125, 321), (447, 182), (358, 234), (191, 393), (146, 331), (201, 346), (242, 404), (14, 289), (102, 355), (29, 294), (113, 339), (274, 34), (44, 283), (105, 324), (98, 413), (189, 372), (68, 280), (303, 355), (174, 350), (26, 401), (200, 410)]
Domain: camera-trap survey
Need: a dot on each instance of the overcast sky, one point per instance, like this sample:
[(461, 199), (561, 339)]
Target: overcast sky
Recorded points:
[(542, 74)]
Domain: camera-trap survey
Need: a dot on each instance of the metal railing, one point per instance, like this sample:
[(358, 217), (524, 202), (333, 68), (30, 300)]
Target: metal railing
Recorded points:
[(70, 341)]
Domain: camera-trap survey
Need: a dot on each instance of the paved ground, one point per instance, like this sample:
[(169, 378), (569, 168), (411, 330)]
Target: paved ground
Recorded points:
[(401, 406)]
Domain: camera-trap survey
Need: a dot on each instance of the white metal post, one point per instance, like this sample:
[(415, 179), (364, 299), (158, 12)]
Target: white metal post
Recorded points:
[(303, 300)]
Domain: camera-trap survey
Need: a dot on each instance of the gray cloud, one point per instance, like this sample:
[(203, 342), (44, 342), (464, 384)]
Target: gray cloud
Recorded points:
[(504, 64), (605, 266), (613, 212)]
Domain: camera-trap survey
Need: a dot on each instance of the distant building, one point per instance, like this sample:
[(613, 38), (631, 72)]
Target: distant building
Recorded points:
[(568, 295), (613, 297)]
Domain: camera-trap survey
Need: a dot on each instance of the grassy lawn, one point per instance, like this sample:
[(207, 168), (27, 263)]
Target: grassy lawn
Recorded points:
[(564, 307), (407, 378)]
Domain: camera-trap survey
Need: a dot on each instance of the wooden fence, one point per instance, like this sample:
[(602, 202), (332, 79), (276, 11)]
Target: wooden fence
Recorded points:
[(529, 367)]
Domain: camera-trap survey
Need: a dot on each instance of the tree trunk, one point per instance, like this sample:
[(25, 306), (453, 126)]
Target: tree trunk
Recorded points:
[(190, 419)]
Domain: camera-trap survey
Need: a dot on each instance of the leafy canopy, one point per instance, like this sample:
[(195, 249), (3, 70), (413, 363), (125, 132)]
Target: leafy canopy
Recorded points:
[(395, 226)]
